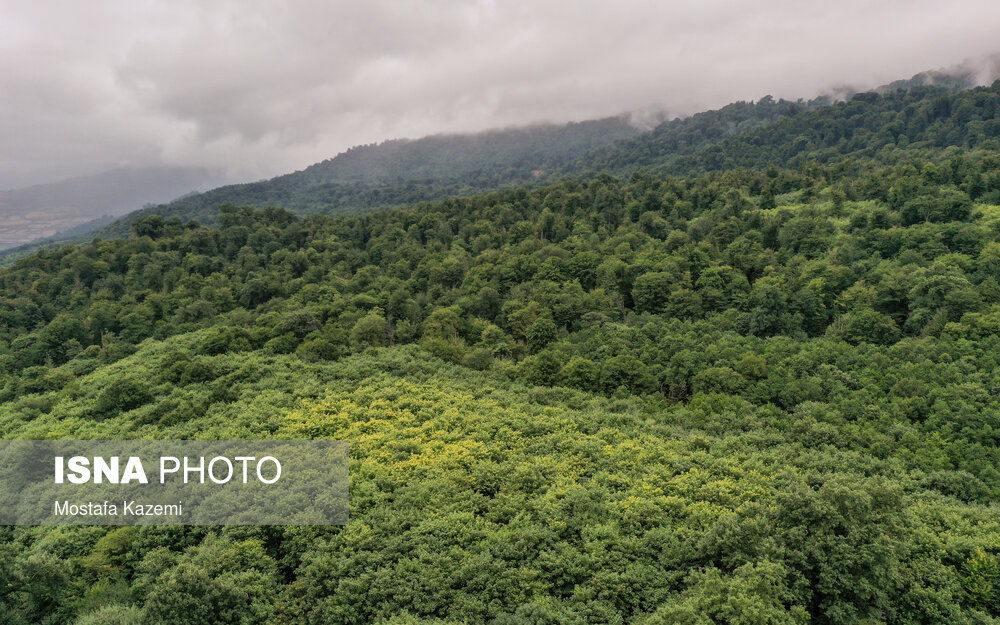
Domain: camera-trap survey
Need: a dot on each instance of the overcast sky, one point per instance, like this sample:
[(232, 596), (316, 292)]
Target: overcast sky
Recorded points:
[(265, 87)]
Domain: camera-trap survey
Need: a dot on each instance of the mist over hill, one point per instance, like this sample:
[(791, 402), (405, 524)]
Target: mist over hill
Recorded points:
[(405, 171), (744, 134)]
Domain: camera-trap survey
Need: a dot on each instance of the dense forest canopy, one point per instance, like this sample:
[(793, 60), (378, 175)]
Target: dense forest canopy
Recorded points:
[(760, 389)]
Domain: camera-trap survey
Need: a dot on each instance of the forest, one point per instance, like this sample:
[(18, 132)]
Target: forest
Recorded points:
[(869, 126), (750, 382)]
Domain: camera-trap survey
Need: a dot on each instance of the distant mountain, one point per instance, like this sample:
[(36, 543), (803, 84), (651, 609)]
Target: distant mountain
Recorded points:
[(930, 110), (44, 210), (515, 153), (675, 138), (405, 171), (966, 75), (742, 134)]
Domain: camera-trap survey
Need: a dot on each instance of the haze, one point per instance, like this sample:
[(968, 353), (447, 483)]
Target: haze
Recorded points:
[(259, 88)]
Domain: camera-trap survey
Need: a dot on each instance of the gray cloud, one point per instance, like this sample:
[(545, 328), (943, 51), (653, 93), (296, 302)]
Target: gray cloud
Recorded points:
[(259, 87)]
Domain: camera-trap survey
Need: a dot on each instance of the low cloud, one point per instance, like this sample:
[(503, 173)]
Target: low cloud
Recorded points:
[(262, 87)]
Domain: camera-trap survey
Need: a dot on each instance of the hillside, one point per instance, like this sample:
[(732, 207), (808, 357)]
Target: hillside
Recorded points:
[(476, 499), (401, 172), (682, 136), (885, 128), (748, 396), (882, 126)]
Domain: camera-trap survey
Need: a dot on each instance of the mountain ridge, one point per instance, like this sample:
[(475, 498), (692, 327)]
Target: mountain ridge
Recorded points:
[(398, 172)]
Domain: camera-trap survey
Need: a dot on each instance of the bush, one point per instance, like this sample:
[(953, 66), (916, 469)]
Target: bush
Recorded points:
[(197, 371), (319, 349), (112, 614), (222, 340), (282, 344), (865, 326), (122, 395), (478, 358)]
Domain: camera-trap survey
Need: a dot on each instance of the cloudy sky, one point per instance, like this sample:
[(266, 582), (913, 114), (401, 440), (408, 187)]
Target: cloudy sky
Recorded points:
[(264, 87)]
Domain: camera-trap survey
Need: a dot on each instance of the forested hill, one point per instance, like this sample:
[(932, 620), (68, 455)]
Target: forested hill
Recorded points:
[(398, 172), (509, 155), (673, 139), (879, 127), (882, 127), (740, 397), (965, 75)]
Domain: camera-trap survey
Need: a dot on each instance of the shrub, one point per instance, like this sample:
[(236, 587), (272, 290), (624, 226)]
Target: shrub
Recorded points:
[(122, 395)]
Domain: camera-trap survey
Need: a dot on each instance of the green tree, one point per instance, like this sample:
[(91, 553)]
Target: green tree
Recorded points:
[(865, 325), (370, 331)]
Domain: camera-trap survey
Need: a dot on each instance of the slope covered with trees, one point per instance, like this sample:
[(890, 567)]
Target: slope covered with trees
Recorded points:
[(474, 499), (405, 171), (761, 395), (884, 127), (672, 139)]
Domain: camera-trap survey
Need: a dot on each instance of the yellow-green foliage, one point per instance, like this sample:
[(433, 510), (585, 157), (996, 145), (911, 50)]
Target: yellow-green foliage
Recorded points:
[(473, 498)]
